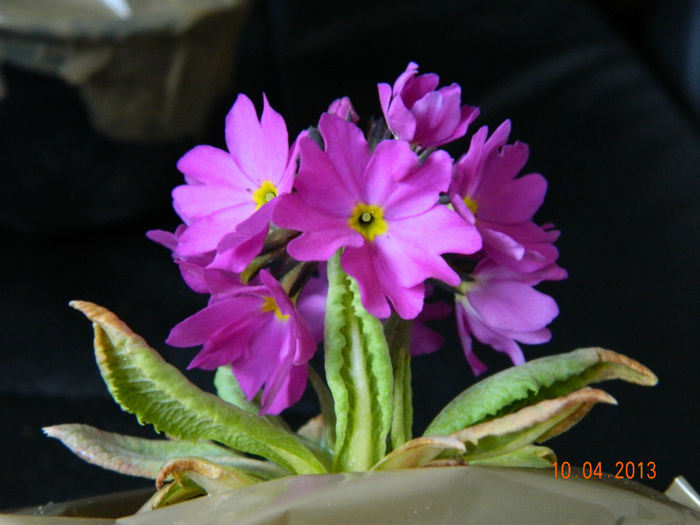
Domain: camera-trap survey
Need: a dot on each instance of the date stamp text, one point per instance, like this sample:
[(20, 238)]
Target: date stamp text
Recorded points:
[(638, 470)]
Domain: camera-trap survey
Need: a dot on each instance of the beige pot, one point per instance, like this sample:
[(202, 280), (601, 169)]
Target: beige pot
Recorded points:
[(448, 495)]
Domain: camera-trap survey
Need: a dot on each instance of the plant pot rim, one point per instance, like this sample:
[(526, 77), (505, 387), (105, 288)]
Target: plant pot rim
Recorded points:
[(443, 495)]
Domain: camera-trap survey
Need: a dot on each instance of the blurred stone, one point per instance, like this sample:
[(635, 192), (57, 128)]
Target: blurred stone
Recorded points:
[(147, 70)]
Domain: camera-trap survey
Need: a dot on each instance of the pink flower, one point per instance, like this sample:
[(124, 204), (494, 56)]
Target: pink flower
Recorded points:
[(257, 331), (312, 303), (421, 114), (500, 308), (342, 107), (423, 339), (192, 268), (382, 207), (486, 193), (228, 197)]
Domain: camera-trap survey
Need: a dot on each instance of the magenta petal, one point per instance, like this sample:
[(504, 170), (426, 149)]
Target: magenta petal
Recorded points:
[(417, 87), (501, 243), (436, 117), (261, 357), (342, 107), (400, 120), (193, 275), (194, 202), (461, 208), (225, 346), (384, 91), (289, 391), (322, 236), (276, 141), (236, 251), (357, 262), (199, 327), (476, 365), (204, 234), (409, 264), (277, 292), (260, 149), (456, 235), (419, 190), (535, 337), (321, 245), (378, 282), (513, 306), (497, 341), (392, 161), (164, 238), (467, 170), (423, 339), (210, 165), (311, 305), (318, 182), (514, 202), (468, 114), (347, 150), (503, 162), (404, 78)]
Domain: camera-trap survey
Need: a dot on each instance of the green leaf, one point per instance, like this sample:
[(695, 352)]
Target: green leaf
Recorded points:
[(325, 399), (544, 378), (227, 388), (529, 456), (359, 374), (398, 336), (538, 422), (145, 457), (145, 385), (419, 452)]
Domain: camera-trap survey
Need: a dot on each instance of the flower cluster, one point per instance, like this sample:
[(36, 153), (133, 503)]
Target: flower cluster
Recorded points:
[(260, 220)]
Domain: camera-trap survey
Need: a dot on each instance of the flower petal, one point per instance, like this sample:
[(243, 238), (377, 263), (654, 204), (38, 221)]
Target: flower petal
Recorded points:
[(261, 149), (204, 234), (419, 189), (320, 185), (210, 165), (512, 306), (347, 150), (194, 202), (196, 329)]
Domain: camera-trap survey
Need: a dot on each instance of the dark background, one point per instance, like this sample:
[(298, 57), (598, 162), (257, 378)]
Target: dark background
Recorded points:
[(605, 95)]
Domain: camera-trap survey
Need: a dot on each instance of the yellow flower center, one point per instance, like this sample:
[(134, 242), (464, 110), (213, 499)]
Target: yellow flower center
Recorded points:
[(264, 194), (368, 219), (471, 204), (269, 305)]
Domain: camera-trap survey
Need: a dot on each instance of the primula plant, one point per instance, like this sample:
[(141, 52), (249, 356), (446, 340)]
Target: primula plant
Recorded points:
[(336, 243)]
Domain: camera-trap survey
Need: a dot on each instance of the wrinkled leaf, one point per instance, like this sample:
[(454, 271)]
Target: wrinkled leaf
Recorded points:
[(359, 374), (534, 381), (398, 336), (538, 422), (145, 457), (213, 478), (181, 489), (419, 452), (144, 384), (194, 477), (529, 456), (325, 399)]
